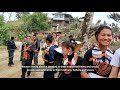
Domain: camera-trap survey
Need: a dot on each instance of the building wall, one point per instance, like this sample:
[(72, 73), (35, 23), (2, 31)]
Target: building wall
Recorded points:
[(62, 24), (61, 19), (55, 22), (58, 17)]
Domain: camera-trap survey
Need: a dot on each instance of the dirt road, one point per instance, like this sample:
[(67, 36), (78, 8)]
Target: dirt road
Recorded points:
[(15, 70)]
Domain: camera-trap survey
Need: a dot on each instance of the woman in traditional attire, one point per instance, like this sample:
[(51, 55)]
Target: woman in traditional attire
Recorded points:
[(70, 59), (97, 60)]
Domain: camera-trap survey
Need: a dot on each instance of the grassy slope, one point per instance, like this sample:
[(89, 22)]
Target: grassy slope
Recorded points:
[(15, 23)]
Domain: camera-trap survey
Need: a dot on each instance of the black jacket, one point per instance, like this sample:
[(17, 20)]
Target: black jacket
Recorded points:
[(11, 45), (37, 45)]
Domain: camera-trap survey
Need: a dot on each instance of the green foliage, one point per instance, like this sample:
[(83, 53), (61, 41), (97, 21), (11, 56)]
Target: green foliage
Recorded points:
[(21, 35), (4, 34), (115, 28), (1, 20), (73, 26), (15, 28), (35, 22), (19, 15), (22, 32), (4, 31), (114, 16)]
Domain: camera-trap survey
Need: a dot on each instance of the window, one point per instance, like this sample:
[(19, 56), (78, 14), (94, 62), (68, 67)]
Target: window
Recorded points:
[(58, 16), (61, 16)]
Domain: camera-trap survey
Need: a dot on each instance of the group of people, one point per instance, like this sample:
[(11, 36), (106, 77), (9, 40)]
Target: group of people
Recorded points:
[(102, 60), (29, 51)]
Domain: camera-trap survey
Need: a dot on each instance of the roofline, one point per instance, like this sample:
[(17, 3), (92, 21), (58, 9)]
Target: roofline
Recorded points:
[(57, 13), (63, 14)]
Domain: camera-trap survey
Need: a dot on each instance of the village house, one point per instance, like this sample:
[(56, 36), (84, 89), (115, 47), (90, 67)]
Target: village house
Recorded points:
[(61, 21)]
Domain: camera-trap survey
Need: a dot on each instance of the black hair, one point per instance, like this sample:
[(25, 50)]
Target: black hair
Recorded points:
[(12, 38), (34, 35), (68, 45), (71, 39), (99, 29), (49, 38), (58, 32), (71, 36)]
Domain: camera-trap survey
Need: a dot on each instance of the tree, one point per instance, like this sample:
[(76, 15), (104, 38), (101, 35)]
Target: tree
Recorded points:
[(1, 20), (21, 35), (25, 13), (93, 29), (10, 15), (20, 14), (115, 17), (4, 34), (83, 36), (4, 31), (105, 23), (36, 22), (115, 28)]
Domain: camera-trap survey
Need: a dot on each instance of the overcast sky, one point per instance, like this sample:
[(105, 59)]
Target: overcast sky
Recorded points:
[(97, 15)]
